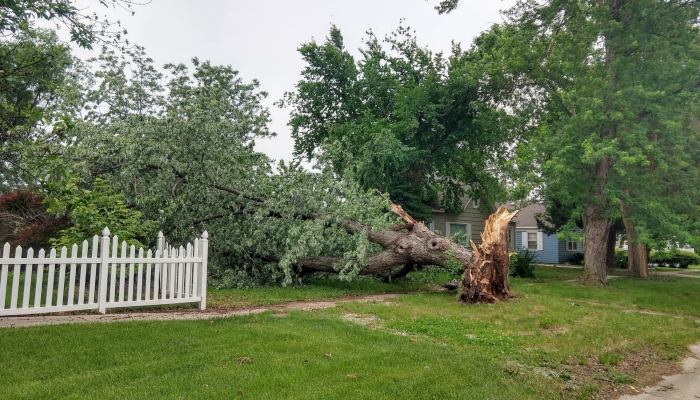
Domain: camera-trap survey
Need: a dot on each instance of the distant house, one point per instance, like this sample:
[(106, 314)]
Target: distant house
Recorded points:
[(549, 248), (469, 223)]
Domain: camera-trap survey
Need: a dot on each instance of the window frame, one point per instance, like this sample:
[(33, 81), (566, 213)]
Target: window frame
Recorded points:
[(468, 229)]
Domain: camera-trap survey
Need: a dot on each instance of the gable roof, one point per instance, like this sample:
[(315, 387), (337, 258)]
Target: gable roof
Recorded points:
[(526, 216)]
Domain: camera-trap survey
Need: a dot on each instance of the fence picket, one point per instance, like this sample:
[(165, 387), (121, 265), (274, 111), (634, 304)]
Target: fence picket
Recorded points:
[(83, 273), (39, 279), (50, 279), (122, 272), (132, 254), (171, 273), (27, 278), (180, 274), (113, 271), (148, 277), (156, 275), (3, 277), (195, 275), (15, 277), (188, 272), (140, 277), (71, 277), (61, 278), (93, 272)]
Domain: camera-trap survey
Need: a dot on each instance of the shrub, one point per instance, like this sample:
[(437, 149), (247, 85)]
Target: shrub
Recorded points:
[(24, 220), (621, 260), (522, 264), (90, 211), (577, 259), (674, 258)]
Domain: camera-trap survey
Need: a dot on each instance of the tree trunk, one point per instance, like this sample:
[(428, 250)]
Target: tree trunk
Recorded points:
[(596, 231), (485, 278), (612, 240), (636, 252)]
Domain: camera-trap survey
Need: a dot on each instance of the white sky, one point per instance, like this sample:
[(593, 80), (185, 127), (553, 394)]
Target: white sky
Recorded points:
[(259, 38)]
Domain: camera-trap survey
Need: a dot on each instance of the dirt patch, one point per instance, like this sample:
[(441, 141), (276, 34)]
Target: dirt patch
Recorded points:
[(17, 322), (633, 372)]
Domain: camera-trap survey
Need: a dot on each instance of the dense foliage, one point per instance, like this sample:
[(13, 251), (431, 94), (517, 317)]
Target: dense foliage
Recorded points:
[(610, 90), (674, 258), (405, 120), (182, 154)]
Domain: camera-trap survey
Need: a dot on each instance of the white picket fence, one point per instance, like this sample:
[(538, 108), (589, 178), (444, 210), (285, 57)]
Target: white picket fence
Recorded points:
[(103, 279)]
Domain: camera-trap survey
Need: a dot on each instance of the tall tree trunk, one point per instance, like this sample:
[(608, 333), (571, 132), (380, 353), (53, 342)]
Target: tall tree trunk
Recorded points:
[(612, 240), (636, 252), (596, 231)]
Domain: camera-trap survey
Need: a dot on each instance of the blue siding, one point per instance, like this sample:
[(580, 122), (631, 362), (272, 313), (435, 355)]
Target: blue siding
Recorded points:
[(564, 255), (550, 247)]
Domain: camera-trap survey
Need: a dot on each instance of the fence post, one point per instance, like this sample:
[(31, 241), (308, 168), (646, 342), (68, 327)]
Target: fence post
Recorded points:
[(203, 252), (104, 264), (160, 243)]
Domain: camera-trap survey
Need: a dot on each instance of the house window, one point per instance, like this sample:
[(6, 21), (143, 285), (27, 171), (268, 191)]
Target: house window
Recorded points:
[(461, 233), (572, 245), (532, 240)]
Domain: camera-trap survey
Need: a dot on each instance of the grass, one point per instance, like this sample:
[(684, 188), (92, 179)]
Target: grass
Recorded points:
[(316, 289), (557, 340)]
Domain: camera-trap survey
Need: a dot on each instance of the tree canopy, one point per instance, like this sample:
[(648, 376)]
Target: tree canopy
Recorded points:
[(405, 120), (610, 88)]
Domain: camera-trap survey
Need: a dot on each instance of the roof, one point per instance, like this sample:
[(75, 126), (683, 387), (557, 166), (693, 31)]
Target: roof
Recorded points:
[(526, 216)]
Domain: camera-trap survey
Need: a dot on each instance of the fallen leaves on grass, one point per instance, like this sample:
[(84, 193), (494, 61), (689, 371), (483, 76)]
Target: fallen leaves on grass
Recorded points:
[(244, 360)]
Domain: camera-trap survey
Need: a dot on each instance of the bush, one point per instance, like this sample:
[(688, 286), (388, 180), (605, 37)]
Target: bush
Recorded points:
[(577, 259), (522, 264), (24, 220), (674, 258), (621, 260)]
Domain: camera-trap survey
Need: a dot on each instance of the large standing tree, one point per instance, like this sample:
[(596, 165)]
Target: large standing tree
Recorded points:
[(402, 119), (616, 85)]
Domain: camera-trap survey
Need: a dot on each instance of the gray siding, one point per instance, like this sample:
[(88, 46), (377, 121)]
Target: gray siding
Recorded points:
[(470, 216)]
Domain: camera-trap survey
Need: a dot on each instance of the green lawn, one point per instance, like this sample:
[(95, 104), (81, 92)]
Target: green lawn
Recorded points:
[(556, 340), (315, 290)]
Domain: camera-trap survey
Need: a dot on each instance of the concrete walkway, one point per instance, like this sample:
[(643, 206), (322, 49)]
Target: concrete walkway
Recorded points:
[(23, 321), (685, 386)]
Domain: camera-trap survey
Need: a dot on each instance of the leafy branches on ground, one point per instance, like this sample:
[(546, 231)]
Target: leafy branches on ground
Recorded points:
[(90, 211)]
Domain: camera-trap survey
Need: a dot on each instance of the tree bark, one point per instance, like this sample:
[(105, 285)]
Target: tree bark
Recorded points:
[(596, 230), (485, 278), (636, 252), (612, 240)]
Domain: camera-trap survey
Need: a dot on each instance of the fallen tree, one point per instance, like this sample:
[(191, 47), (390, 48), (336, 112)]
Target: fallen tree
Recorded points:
[(191, 166), (485, 277)]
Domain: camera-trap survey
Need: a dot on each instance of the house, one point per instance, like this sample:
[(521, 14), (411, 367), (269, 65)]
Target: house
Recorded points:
[(549, 248), (469, 223)]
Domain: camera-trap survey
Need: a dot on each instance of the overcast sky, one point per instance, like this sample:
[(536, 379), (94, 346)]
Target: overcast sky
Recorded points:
[(259, 38)]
